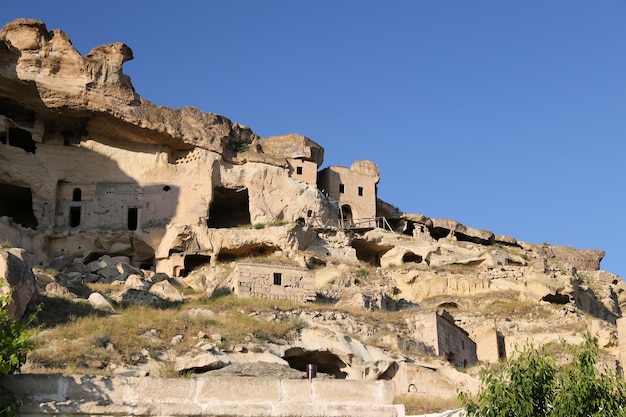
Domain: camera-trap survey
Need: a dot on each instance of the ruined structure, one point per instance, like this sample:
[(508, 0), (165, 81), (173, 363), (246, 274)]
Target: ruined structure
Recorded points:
[(447, 339), (273, 281)]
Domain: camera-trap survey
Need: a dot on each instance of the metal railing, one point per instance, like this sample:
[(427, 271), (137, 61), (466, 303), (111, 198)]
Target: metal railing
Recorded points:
[(354, 224)]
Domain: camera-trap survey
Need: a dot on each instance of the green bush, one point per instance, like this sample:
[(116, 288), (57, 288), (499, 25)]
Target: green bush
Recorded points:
[(15, 343), (532, 385)]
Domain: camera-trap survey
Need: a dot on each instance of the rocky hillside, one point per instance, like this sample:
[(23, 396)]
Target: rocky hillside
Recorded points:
[(119, 206)]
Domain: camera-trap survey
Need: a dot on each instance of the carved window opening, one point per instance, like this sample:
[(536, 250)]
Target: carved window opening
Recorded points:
[(278, 278), (342, 188), (17, 203), (74, 216), (299, 170), (77, 194), (360, 191), (229, 208), (133, 218), (21, 138)]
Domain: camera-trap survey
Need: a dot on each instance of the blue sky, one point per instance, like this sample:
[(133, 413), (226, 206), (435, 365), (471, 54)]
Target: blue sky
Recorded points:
[(507, 116)]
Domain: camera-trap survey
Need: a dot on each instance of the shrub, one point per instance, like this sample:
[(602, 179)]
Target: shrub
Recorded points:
[(15, 343), (533, 385)]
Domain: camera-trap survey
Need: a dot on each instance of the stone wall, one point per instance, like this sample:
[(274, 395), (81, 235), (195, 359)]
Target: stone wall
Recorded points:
[(86, 395), (273, 281), (114, 206)]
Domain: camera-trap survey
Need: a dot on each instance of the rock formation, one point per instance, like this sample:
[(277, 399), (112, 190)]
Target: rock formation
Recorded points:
[(99, 186)]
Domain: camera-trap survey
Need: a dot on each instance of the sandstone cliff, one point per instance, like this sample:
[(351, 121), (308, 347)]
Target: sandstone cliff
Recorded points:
[(104, 189)]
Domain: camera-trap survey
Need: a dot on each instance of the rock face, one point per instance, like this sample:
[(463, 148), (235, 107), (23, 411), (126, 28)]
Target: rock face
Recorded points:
[(100, 170), (92, 94)]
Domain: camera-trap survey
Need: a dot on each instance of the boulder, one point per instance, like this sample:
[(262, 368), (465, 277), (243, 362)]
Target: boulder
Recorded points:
[(17, 279), (166, 291), (98, 301)]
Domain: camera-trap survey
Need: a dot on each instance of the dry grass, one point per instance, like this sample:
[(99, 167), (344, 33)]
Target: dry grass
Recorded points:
[(414, 404), (92, 338)]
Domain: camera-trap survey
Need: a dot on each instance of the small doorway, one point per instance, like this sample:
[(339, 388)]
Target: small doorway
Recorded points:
[(133, 218), (346, 216), (75, 216)]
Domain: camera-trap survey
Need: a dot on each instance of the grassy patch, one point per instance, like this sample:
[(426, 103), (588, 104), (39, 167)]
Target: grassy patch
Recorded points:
[(414, 404)]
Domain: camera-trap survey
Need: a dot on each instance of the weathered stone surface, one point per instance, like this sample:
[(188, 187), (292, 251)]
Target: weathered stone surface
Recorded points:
[(293, 146), (582, 259), (17, 279)]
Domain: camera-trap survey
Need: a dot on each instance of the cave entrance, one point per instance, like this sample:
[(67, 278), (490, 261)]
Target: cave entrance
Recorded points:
[(326, 361), (21, 138), (411, 257), (229, 208), (246, 251), (369, 252), (556, 298), (192, 262), (17, 203)]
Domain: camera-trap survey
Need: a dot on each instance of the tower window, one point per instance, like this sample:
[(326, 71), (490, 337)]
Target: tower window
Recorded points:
[(342, 188), (361, 191), (278, 278), (299, 170)]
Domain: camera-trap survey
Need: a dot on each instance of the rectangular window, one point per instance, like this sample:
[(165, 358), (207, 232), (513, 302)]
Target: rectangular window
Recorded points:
[(341, 188), (278, 278), (133, 218), (361, 191), (299, 170)]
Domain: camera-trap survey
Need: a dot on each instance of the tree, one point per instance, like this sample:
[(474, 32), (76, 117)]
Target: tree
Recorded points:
[(532, 385)]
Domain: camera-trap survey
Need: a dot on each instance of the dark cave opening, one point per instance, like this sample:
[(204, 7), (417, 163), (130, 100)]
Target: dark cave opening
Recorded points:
[(229, 208)]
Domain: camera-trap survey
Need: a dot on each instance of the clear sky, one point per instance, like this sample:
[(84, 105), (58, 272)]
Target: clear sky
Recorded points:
[(507, 116)]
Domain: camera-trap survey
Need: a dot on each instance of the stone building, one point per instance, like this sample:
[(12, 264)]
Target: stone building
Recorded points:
[(447, 339), (354, 191), (273, 281)]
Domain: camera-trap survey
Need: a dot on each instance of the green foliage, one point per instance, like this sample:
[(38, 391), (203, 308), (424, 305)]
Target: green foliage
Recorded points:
[(533, 385), (241, 147), (15, 343)]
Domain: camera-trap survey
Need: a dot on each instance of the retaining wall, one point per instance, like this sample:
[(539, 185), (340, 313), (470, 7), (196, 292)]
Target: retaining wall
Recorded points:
[(88, 395)]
